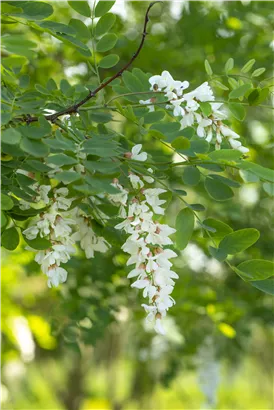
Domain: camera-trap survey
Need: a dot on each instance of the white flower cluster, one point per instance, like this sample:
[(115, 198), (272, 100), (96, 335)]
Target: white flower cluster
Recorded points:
[(187, 106), (56, 225), (147, 243)]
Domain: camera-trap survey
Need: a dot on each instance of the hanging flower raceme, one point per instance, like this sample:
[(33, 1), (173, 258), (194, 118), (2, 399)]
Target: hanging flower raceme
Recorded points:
[(195, 108), (146, 243), (57, 225)]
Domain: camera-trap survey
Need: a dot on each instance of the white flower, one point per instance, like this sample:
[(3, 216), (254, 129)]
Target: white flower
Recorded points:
[(218, 114), (150, 107), (43, 192), (62, 227), (119, 198), (147, 178), (233, 139), (190, 114), (243, 149), (202, 93), (60, 200), (136, 182), (227, 132), (153, 200), (158, 327), (201, 127), (24, 205), (56, 275), (178, 110), (136, 155), (167, 83), (89, 241), (31, 232)]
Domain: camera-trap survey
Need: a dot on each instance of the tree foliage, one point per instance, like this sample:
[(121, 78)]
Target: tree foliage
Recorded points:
[(78, 97)]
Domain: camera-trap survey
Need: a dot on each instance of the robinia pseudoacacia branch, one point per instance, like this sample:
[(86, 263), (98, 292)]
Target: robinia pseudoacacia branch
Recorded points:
[(74, 108)]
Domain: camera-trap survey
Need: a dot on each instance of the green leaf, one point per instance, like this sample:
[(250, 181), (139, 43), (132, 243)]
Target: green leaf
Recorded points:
[(225, 180), (248, 176), (10, 136), (208, 68), (82, 7), (206, 108), (197, 207), (67, 176), (217, 190), (51, 85), (191, 176), (225, 155), (233, 83), (34, 10), (61, 159), (269, 188), (262, 172), (80, 28), (38, 166), (104, 24), (257, 96), (103, 7), (100, 147), (66, 38), (220, 85), (41, 89), (229, 65), (4, 219), (221, 228), (107, 42), (132, 82), (101, 186), (240, 240), (166, 128), (6, 202), (109, 61), (240, 91), (34, 148), (184, 227), (237, 110), (196, 147), (100, 117), (217, 253), (102, 166), (14, 61), (247, 67), (266, 285), (258, 72), (36, 131), (180, 143), (256, 269), (154, 116), (38, 243), (10, 239), (57, 27)]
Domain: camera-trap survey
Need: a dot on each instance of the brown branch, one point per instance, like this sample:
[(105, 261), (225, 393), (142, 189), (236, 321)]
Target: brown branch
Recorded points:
[(74, 108)]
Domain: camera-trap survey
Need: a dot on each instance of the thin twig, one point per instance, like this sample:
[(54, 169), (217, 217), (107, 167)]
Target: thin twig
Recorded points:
[(74, 108)]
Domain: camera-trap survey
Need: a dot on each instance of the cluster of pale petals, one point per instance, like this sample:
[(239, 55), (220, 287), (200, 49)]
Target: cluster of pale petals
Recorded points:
[(187, 106), (57, 225), (146, 244)]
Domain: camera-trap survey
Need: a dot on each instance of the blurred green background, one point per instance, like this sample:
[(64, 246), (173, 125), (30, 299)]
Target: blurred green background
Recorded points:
[(84, 346)]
